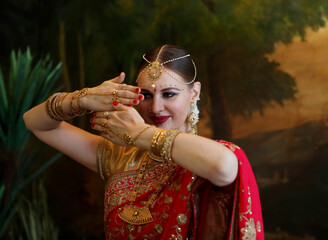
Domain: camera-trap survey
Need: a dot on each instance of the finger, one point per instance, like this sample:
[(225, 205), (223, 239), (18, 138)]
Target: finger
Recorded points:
[(120, 107), (99, 126), (119, 79), (99, 121), (130, 95), (104, 115), (130, 88), (124, 101)]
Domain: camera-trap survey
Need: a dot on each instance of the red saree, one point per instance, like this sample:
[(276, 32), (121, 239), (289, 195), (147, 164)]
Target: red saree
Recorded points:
[(186, 207)]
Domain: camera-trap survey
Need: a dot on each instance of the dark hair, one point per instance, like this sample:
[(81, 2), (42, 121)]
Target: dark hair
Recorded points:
[(184, 66)]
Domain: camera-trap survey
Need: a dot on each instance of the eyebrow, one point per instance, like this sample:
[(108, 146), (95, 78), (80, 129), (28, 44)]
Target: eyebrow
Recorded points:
[(163, 90)]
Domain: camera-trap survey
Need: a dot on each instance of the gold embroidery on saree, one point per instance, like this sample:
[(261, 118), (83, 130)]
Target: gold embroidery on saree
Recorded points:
[(249, 231)]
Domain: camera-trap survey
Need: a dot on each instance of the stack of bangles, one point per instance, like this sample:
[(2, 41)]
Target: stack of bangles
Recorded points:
[(54, 106), (161, 143)]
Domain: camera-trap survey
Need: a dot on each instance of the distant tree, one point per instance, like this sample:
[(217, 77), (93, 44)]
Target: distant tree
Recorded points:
[(229, 39)]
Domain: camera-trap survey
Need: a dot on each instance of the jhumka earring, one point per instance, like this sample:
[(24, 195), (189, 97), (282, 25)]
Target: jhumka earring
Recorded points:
[(193, 118), (154, 69)]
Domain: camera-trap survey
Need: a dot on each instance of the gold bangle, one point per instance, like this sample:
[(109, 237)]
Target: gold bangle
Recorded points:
[(167, 145), (79, 94), (159, 143), (74, 94), (54, 107), (49, 111), (154, 141), (59, 107)]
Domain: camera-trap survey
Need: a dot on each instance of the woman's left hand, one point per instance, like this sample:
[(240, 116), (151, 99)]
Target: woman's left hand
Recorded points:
[(120, 126)]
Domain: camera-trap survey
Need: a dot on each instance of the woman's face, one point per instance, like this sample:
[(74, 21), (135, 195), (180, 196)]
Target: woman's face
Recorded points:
[(167, 106)]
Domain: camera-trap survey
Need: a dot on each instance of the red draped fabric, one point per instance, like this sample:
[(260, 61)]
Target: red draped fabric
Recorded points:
[(187, 206)]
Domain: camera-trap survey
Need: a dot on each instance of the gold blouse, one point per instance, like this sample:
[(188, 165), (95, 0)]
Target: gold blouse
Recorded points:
[(113, 159)]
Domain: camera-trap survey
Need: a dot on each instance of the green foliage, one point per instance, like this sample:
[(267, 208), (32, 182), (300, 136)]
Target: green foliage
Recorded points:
[(28, 84), (33, 220)]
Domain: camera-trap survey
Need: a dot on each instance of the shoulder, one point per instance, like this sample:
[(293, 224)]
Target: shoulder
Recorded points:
[(233, 147)]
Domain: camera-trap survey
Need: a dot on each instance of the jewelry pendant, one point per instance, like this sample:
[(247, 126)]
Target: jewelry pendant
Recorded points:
[(136, 215)]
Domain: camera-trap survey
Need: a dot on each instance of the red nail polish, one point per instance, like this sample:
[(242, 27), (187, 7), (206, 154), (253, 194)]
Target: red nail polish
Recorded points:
[(91, 120), (94, 114), (129, 105), (115, 103), (93, 125), (137, 90), (140, 97), (154, 89), (135, 101)]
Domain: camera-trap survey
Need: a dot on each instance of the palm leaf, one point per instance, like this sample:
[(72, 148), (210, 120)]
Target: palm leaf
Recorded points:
[(27, 86)]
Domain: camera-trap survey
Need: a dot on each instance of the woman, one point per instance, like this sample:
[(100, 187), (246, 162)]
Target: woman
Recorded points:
[(162, 180)]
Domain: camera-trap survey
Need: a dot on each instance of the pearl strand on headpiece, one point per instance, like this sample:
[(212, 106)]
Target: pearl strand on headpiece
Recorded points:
[(168, 61)]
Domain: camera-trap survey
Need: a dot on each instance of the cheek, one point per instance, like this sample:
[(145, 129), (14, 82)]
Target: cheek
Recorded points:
[(180, 110), (143, 109)]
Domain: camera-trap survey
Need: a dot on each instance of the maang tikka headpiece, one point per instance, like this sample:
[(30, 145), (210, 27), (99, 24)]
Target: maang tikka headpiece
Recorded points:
[(154, 69)]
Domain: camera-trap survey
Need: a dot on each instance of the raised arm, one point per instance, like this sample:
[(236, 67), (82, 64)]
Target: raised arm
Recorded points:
[(202, 156), (68, 139)]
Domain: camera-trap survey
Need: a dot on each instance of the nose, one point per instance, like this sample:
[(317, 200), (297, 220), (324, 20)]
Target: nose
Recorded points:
[(156, 106)]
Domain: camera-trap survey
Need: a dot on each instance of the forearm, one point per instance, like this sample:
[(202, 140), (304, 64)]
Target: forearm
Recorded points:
[(37, 118), (202, 156)]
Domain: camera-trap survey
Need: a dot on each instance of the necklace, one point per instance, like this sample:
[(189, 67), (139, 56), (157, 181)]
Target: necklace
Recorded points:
[(142, 215)]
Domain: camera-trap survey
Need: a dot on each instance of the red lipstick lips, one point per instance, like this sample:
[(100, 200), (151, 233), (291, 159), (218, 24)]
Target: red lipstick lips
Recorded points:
[(160, 119)]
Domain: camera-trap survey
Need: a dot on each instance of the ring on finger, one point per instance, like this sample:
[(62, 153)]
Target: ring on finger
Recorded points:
[(114, 97), (104, 124), (106, 114)]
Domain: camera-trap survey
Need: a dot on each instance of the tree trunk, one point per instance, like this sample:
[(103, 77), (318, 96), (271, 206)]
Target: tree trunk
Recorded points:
[(219, 114), (82, 121), (62, 54)]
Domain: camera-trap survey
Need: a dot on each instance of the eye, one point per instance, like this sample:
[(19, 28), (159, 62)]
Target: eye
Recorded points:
[(169, 94), (147, 95)]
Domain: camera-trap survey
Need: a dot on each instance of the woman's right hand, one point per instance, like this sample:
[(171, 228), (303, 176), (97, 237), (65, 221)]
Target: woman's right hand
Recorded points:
[(103, 97)]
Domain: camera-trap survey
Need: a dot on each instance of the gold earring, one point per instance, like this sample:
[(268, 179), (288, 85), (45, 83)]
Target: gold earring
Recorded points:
[(193, 118)]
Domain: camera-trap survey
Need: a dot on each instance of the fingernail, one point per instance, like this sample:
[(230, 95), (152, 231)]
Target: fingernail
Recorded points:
[(140, 96), (93, 125), (94, 114), (115, 103), (137, 90), (135, 101), (91, 120), (129, 105)]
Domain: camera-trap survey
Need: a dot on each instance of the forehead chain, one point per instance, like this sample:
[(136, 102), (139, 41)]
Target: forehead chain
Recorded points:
[(154, 69)]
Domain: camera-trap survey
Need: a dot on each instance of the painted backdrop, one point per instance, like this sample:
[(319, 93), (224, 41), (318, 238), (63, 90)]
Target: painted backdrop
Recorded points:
[(263, 67)]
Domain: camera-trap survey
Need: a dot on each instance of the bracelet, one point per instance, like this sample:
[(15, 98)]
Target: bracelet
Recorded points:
[(127, 138), (79, 94), (141, 132), (167, 146), (159, 143), (49, 109), (155, 148), (54, 107)]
